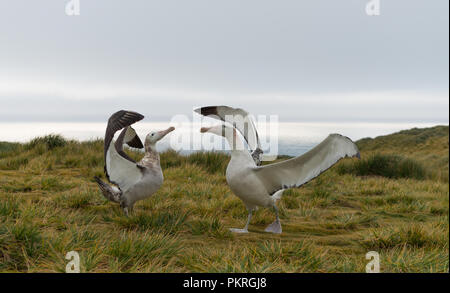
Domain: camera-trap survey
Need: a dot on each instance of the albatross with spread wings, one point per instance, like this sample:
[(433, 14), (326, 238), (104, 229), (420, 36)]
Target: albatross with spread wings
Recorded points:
[(263, 185), (132, 181)]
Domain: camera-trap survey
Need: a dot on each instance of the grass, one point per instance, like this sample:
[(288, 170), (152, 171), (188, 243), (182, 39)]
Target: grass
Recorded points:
[(50, 141), (427, 146), (386, 165), (395, 200)]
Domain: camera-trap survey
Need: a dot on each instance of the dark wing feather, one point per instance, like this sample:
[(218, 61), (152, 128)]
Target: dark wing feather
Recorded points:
[(135, 143), (117, 121), (132, 139), (119, 145)]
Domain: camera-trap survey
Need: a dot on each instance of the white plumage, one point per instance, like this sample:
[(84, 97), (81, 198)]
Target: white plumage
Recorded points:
[(132, 180), (263, 185)]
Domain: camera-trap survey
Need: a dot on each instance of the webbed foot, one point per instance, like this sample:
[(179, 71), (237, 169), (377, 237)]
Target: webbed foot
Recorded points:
[(275, 227), (236, 230)]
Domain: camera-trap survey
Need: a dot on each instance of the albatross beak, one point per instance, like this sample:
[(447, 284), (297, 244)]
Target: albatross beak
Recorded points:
[(204, 129), (165, 132)]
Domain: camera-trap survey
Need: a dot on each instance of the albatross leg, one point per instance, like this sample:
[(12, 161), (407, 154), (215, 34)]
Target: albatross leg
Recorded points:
[(275, 227), (125, 207), (245, 229)]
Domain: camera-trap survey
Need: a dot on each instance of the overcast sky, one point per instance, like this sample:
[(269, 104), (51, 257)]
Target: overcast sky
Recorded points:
[(315, 60)]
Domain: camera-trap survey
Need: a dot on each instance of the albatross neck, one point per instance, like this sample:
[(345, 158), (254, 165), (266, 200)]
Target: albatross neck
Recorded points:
[(235, 142), (150, 149), (151, 157)]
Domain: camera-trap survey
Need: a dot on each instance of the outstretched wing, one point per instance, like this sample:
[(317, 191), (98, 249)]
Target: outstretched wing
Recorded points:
[(245, 125), (119, 168), (298, 171)]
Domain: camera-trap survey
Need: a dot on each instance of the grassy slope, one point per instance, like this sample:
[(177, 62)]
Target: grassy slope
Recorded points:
[(49, 205), (428, 146)]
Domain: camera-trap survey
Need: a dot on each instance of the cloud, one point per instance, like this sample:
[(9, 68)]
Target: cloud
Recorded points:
[(303, 60), (46, 101)]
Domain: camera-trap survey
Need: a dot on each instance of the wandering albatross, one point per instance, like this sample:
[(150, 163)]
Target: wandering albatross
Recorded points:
[(242, 121), (263, 185), (132, 181)]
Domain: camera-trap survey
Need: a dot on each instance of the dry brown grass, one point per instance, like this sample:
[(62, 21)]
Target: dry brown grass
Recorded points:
[(49, 205)]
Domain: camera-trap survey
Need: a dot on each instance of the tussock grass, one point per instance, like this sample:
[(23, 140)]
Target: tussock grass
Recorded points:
[(132, 252), (415, 236), (427, 146), (168, 221), (9, 207), (6, 147), (270, 256), (50, 205), (13, 163), (49, 141), (209, 227), (21, 244), (212, 162), (405, 259), (390, 166)]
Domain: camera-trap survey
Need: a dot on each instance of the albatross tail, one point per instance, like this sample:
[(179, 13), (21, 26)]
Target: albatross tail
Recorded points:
[(111, 193), (277, 195)]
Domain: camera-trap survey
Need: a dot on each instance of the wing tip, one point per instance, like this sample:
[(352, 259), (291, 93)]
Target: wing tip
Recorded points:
[(357, 154), (122, 113), (340, 135), (206, 111), (137, 115)]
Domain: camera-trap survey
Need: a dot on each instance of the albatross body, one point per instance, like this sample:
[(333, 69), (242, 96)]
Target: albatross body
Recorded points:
[(262, 186), (132, 181)]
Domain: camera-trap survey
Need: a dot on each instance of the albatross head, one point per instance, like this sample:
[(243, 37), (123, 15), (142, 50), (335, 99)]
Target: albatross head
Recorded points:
[(221, 130), (229, 133), (217, 129), (153, 137)]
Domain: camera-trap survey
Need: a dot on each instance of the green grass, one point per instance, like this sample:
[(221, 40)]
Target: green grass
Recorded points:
[(167, 221), (50, 141), (395, 200), (427, 146), (386, 165)]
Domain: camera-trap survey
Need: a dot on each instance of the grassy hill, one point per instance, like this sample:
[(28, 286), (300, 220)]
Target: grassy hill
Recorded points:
[(428, 146), (50, 205)]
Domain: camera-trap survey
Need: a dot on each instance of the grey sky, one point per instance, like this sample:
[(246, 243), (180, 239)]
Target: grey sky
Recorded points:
[(316, 60)]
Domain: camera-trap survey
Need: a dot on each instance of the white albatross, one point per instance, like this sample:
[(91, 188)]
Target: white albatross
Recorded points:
[(262, 186), (132, 181)]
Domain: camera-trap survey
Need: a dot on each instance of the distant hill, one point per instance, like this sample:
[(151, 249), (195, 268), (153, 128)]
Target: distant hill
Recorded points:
[(430, 146)]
